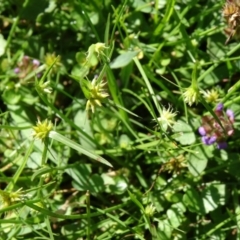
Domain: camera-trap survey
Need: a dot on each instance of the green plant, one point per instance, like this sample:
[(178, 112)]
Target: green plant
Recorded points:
[(101, 106)]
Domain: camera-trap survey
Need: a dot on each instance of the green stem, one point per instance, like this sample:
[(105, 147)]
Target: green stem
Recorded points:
[(13, 28), (219, 226), (236, 216), (232, 90), (149, 86), (88, 215), (99, 212), (51, 237), (43, 163), (20, 169), (230, 102), (45, 149), (210, 69)]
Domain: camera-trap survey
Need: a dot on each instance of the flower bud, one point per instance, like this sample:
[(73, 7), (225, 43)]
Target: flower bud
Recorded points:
[(150, 210), (230, 115), (202, 131), (221, 145)]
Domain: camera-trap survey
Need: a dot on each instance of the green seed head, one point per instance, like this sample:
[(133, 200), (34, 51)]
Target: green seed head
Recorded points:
[(9, 198), (211, 96), (191, 95), (167, 117), (42, 129), (95, 93)]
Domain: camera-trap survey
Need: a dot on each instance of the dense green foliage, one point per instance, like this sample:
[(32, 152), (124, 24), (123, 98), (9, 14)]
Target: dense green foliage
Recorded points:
[(100, 111)]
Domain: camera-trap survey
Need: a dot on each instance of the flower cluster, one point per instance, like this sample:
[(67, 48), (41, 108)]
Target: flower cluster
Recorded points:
[(175, 164), (231, 12), (217, 130), (26, 66)]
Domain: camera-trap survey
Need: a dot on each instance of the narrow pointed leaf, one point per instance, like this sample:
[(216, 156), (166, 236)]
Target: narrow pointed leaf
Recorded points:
[(60, 138)]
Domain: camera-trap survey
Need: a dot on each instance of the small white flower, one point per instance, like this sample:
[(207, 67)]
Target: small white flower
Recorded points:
[(167, 117), (191, 95)]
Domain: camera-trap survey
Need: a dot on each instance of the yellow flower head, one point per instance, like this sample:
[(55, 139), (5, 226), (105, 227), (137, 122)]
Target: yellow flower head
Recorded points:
[(50, 58), (9, 198), (211, 96), (191, 95), (95, 93), (96, 49), (167, 117), (150, 210), (42, 129)]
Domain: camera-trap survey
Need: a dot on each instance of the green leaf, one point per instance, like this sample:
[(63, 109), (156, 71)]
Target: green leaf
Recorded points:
[(211, 198), (185, 134), (234, 165), (3, 44), (34, 160), (123, 59), (165, 62), (192, 199), (143, 7), (80, 58), (205, 201), (120, 185), (124, 141), (164, 230), (168, 13), (91, 57), (81, 119), (10, 96), (174, 218), (83, 180), (197, 161), (60, 138), (79, 72), (135, 200)]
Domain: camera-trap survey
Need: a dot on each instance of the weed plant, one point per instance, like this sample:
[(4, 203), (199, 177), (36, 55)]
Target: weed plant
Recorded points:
[(119, 119)]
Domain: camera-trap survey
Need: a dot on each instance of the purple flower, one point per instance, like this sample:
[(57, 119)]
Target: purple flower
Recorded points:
[(36, 62), (212, 140), (219, 107), (202, 131), (205, 140), (17, 70), (217, 131), (221, 145), (230, 115), (209, 140)]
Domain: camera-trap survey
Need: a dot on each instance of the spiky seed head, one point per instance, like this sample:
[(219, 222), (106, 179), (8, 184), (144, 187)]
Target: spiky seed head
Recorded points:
[(42, 129), (191, 95), (211, 96)]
